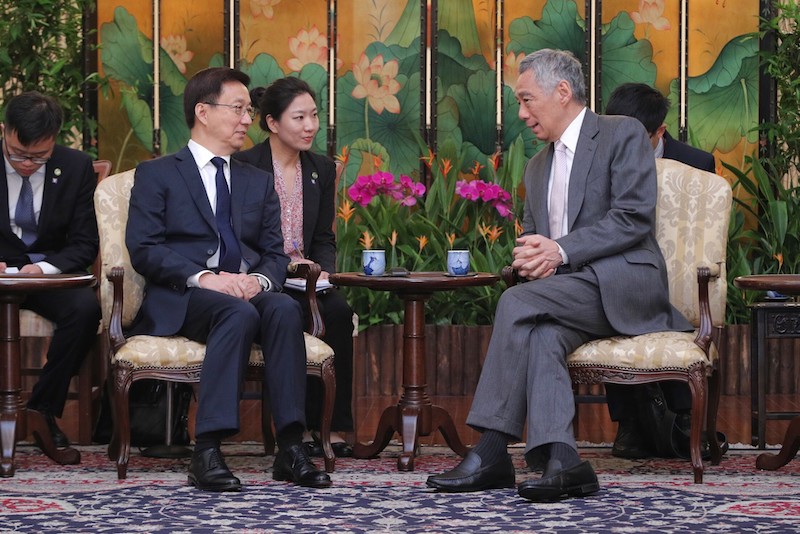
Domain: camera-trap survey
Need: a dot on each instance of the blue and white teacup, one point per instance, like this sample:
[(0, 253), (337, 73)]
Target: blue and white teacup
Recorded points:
[(458, 262), (374, 262)]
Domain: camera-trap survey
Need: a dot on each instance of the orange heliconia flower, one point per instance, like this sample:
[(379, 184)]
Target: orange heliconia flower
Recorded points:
[(476, 169), (495, 159), (779, 257), (518, 227), (423, 240), (346, 211), (377, 83), (344, 157), (451, 238), (429, 158), (447, 166), (366, 240), (393, 238), (493, 233)]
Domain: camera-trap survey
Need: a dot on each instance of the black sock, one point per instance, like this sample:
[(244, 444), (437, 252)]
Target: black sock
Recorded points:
[(207, 440), (491, 446), (290, 435), (564, 454)]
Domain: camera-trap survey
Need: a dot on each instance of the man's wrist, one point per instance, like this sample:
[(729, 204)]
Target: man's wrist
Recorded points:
[(264, 282)]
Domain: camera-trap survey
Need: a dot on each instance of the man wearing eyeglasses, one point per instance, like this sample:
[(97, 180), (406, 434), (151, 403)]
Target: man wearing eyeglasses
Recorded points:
[(48, 226), (205, 232)]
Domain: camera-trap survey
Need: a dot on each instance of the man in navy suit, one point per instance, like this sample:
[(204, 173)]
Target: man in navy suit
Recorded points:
[(204, 230), (642, 102), (48, 227), (650, 107), (593, 269)]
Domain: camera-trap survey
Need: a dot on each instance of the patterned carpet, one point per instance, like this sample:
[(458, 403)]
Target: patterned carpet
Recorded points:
[(371, 496)]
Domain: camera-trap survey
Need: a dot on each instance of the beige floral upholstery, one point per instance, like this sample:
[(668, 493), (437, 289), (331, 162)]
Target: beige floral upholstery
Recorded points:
[(111, 203), (178, 351), (691, 233)]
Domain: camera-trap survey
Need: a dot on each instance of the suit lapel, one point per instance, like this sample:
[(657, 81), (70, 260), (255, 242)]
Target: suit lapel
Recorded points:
[(581, 163), (53, 182), (187, 168), (240, 178), (5, 221)]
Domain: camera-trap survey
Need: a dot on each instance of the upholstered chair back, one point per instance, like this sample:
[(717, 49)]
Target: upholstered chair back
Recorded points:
[(692, 230)]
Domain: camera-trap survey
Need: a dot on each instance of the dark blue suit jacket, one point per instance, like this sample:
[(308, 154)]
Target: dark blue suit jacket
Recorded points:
[(172, 233), (699, 159), (67, 234)]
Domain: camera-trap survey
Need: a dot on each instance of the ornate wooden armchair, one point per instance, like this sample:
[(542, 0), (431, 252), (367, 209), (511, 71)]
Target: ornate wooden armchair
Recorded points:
[(175, 358), (87, 385), (692, 230)]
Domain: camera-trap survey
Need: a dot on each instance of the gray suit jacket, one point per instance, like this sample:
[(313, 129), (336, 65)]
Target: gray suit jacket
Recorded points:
[(611, 210), (172, 233)]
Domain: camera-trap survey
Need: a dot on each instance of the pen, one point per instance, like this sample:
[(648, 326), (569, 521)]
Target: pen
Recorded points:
[(297, 249)]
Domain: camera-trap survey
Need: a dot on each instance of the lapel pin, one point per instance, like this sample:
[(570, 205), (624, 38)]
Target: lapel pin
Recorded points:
[(56, 174), (314, 177)]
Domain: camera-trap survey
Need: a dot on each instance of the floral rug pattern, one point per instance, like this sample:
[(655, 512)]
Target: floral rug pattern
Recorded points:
[(371, 496)]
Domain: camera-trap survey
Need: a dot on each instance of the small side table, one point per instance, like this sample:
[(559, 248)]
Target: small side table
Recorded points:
[(770, 320), (13, 289), (414, 415)]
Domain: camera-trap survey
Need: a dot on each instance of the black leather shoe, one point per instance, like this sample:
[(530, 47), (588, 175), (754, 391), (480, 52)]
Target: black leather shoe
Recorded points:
[(208, 472), (629, 442), (471, 475), (294, 465), (341, 449), (59, 438), (577, 481)]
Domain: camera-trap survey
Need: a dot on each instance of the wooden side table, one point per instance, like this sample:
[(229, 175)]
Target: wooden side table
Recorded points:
[(770, 320), (414, 415), (13, 289)]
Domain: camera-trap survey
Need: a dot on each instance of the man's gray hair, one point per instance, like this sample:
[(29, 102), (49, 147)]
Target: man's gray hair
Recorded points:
[(551, 66)]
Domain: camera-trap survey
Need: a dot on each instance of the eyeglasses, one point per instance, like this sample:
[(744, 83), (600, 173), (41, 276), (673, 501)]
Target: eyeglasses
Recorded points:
[(237, 108), (17, 158)]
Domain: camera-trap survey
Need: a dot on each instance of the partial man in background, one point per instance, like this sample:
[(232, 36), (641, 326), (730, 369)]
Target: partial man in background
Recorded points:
[(642, 102), (49, 227), (650, 107)]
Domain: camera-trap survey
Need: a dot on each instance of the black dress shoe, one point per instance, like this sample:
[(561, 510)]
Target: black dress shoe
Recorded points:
[(294, 465), (208, 472), (471, 475), (341, 449), (629, 442), (577, 481), (59, 438)]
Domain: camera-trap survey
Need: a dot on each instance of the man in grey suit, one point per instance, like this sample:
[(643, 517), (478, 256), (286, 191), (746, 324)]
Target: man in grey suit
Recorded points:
[(205, 232), (594, 270)]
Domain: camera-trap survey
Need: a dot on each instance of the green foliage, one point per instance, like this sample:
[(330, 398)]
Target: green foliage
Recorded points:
[(784, 67), (43, 45), (764, 235)]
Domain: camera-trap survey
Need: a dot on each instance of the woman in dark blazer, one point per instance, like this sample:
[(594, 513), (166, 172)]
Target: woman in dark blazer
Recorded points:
[(306, 185)]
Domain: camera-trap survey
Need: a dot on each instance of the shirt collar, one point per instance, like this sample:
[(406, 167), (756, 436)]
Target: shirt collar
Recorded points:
[(573, 131), (202, 155), (659, 150)]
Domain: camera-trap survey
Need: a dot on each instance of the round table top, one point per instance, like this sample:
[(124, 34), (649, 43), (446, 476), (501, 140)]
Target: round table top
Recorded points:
[(788, 284), (414, 281), (28, 283)]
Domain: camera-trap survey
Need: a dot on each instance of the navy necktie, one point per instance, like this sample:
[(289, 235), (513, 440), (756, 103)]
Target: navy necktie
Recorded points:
[(230, 256), (24, 216)]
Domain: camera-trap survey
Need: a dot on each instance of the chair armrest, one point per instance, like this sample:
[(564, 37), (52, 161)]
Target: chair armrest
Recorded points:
[(310, 272), (509, 276), (116, 337), (704, 275)]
